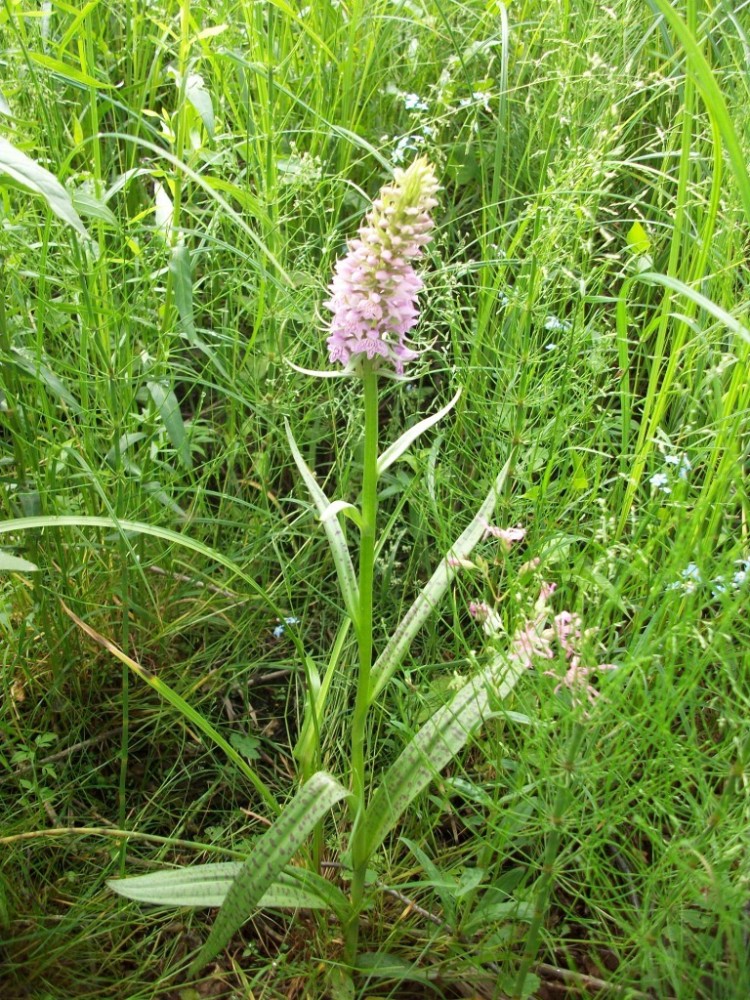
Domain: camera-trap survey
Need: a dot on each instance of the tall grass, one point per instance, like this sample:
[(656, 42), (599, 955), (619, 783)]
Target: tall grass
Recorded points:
[(143, 379)]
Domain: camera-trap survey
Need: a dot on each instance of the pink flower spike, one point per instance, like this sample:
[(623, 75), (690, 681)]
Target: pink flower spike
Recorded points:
[(373, 295)]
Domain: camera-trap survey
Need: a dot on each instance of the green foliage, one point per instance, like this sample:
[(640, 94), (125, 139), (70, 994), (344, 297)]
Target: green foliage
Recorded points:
[(267, 859), (558, 130)]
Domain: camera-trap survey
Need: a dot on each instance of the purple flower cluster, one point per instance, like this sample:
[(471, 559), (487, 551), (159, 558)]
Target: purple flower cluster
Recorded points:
[(374, 288)]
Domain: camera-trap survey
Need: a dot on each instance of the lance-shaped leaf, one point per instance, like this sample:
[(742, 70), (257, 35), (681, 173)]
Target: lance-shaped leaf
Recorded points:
[(14, 564), (208, 885), (169, 411), (27, 172), (397, 449), (392, 656), (434, 746), (268, 858), (336, 540), (343, 507)]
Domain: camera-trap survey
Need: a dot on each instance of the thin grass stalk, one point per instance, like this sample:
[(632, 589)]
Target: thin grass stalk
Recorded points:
[(551, 850)]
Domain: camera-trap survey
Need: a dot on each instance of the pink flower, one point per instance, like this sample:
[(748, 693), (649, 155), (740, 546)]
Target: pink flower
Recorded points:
[(576, 680), (490, 619), (480, 610), (528, 643), (506, 535), (374, 288)]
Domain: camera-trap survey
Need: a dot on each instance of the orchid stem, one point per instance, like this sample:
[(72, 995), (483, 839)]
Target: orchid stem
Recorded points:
[(369, 510)]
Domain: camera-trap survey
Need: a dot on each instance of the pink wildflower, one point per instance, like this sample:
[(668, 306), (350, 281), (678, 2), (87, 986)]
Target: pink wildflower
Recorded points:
[(490, 619), (528, 642), (506, 535), (480, 610), (576, 680), (374, 288)]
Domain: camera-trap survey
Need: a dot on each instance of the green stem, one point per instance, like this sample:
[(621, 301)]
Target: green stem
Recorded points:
[(364, 638)]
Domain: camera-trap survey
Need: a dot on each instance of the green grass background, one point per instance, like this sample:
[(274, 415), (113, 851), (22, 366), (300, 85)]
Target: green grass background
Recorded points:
[(143, 378)]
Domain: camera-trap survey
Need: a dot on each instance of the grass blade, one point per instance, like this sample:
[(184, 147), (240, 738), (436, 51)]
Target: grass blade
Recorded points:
[(177, 701), (169, 411), (334, 533)]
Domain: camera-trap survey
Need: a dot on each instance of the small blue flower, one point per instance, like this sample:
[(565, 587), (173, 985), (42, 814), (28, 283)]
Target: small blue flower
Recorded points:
[(279, 629), (659, 481), (689, 581), (681, 463), (550, 347)]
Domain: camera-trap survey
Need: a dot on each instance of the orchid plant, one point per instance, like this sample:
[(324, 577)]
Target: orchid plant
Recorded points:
[(374, 305)]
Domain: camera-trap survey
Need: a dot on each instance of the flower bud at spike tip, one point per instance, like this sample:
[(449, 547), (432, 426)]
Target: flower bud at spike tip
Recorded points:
[(374, 288)]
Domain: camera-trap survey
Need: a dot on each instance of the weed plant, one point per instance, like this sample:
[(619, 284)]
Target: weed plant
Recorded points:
[(587, 290)]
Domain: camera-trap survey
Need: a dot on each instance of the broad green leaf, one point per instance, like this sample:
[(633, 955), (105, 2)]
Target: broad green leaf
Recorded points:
[(208, 885), (397, 449), (199, 97), (86, 204), (4, 106), (638, 241), (383, 965), (336, 540), (342, 507), (25, 171), (13, 564), (267, 859), (487, 914), (169, 411), (30, 364), (124, 443), (444, 885), (68, 72), (392, 656), (434, 746), (182, 282), (246, 745), (340, 984)]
